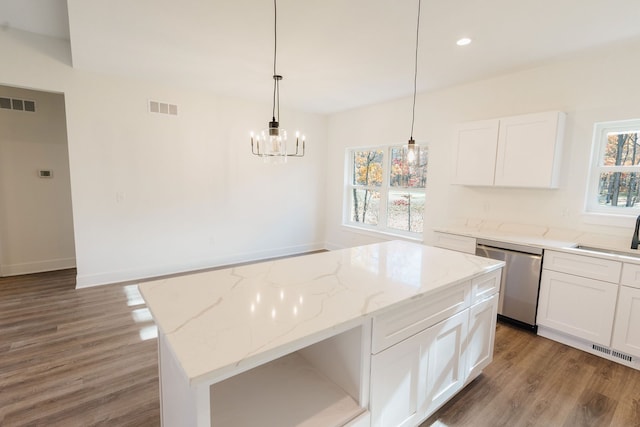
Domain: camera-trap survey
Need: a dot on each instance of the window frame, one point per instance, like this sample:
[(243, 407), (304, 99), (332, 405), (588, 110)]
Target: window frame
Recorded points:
[(597, 167), (384, 189)]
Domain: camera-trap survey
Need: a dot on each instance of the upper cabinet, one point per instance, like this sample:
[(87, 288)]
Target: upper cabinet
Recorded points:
[(518, 151)]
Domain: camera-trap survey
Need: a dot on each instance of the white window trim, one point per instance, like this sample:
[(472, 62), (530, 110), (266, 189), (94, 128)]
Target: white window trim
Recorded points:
[(600, 131), (381, 228)]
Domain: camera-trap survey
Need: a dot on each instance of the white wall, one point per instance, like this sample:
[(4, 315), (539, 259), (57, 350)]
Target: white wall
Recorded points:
[(597, 87), (155, 194), (36, 223)]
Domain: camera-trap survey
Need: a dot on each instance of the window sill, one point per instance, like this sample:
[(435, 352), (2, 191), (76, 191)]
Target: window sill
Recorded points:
[(381, 234)]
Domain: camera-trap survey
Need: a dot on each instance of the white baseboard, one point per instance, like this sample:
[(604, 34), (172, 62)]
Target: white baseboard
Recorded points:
[(588, 347), (36, 266), (150, 272)]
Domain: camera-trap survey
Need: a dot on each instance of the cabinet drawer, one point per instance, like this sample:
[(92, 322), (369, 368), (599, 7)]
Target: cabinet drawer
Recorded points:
[(584, 266), (630, 275), (486, 285), (397, 325), (455, 242)]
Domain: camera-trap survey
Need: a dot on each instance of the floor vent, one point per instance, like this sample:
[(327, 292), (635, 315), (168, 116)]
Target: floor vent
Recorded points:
[(622, 356), (163, 108), (601, 349), (18, 104)]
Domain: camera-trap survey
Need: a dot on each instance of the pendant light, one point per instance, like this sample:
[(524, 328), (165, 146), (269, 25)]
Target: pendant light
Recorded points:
[(413, 150), (271, 143)]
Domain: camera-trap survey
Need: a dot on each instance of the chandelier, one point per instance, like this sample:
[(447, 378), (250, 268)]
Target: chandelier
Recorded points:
[(271, 143)]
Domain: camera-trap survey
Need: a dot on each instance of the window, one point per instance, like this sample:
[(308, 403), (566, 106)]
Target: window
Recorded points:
[(615, 171), (385, 190)]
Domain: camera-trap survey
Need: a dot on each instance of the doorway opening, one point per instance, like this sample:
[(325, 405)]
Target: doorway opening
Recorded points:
[(36, 217)]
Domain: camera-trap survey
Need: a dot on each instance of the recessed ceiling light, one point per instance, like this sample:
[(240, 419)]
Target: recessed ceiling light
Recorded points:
[(463, 41)]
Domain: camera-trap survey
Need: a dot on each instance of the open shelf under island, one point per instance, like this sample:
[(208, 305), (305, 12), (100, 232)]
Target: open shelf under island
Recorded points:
[(375, 335)]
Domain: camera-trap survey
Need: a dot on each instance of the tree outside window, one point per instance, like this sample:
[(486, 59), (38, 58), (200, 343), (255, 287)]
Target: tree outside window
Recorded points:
[(615, 176), (386, 191)]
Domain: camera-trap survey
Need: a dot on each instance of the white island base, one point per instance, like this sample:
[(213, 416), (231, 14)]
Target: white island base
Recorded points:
[(379, 335)]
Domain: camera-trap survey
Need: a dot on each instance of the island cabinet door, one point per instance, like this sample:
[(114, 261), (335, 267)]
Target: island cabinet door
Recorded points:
[(481, 336), (396, 382), (443, 364)]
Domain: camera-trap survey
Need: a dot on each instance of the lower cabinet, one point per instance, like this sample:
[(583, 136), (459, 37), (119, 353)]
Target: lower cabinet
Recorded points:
[(577, 306), (443, 362), (481, 336), (626, 335), (396, 381), (413, 378)]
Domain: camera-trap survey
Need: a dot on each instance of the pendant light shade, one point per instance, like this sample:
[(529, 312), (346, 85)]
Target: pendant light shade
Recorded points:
[(271, 143)]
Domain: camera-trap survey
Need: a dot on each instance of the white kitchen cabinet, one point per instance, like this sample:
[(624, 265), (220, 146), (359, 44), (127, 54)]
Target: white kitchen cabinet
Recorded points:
[(578, 306), (443, 364), (626, 335), (481, 336), (630, 275), (411, 379), (580, 265), (455, 242), (530, 150), (396, 381), (591, 303), (475, 152), (519, 151)]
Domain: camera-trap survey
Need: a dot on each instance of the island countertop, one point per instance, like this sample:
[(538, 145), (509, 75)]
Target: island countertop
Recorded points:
[(222, 322)]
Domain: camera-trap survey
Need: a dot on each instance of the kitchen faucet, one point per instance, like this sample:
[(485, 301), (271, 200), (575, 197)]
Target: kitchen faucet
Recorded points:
[(635, 240)]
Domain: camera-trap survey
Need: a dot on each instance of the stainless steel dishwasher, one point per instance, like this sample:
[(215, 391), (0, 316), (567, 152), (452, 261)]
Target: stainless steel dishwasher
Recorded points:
[(520, 280)]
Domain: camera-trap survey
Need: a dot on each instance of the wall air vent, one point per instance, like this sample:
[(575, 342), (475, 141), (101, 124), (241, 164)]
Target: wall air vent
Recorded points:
[(163, 108), (18, 104), (622, 356), (613, 353), (601, 349)]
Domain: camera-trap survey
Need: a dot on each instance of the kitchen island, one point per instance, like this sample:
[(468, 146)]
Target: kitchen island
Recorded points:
[(380, 334)]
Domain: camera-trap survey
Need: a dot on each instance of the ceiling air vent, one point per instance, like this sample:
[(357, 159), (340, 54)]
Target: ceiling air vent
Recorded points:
[(163, 108), (18, 104)]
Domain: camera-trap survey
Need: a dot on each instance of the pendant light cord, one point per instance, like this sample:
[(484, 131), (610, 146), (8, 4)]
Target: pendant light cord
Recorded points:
[(415, 73), (276, 78)]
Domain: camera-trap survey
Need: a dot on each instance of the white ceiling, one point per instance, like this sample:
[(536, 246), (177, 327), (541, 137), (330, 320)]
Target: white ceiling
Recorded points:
[(333, 54)]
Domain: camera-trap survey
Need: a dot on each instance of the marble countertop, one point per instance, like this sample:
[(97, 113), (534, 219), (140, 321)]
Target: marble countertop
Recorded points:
[(510, 237), (593, 245), (223, 322)]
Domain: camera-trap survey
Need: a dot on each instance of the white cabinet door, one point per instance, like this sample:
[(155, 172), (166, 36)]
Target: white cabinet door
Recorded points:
[(475, 152), (626, 335), (411, 379), (577, 306), (443, 363), (455, 242), (481, 336), (529, 150), (395, 382)]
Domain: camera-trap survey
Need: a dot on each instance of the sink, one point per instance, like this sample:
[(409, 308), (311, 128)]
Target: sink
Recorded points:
[(630, 253)]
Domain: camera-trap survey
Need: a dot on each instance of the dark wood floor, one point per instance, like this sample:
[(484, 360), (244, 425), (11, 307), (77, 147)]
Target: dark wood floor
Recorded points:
[(88, 357), (75, 357)]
